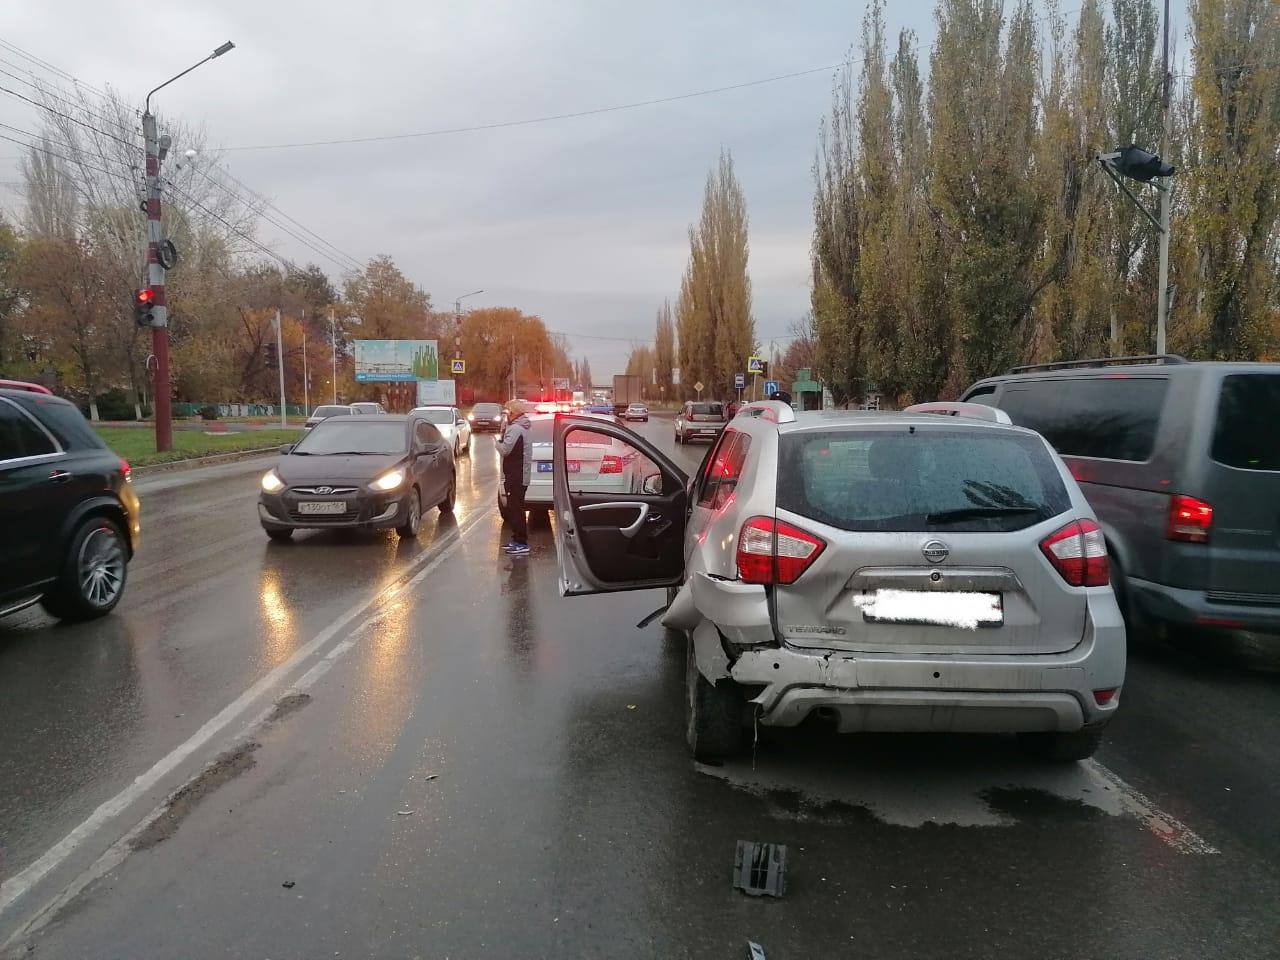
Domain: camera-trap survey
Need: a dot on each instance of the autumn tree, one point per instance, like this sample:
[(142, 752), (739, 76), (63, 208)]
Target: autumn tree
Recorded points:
[(664, 348)]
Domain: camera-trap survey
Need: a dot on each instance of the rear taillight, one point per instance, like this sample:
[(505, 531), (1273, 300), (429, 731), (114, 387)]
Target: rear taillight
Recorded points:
[(770, 551), (1189, 519), (611, 464), (126, 469), (1079, 553)]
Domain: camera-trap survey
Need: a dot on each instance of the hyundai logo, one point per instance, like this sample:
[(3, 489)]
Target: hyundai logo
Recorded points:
[(330, 490), (935, 551)]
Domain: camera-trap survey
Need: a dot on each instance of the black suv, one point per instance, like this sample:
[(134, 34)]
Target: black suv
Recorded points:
[(67, 509), (1181, 461)]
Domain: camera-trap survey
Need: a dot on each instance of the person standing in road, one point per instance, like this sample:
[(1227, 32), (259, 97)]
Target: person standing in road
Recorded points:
[(517, 457)]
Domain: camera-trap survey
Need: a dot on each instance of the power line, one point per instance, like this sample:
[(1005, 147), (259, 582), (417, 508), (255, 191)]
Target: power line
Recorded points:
[(285, 262), (45, 88), (67, 116), (47, 66)]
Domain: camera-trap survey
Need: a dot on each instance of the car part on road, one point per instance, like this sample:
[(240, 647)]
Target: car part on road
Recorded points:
[(755, 951), (760, 869)]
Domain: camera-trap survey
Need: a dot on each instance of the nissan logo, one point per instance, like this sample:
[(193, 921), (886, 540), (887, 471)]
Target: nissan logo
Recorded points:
[(935, 551), (330, 490)]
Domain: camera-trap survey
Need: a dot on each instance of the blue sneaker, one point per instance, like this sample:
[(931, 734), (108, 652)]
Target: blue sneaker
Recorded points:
[(508, 547), (519, 550)]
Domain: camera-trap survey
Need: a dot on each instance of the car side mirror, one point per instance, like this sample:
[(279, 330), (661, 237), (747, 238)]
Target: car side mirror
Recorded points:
[(653, 484), (286, 448)]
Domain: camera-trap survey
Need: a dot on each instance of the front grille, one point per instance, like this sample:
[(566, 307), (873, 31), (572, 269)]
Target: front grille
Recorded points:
[(323, 491), (1244, 599)]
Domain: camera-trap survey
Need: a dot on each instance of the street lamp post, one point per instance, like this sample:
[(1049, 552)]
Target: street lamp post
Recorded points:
[(333, 341), (156, 148), (457, 323)]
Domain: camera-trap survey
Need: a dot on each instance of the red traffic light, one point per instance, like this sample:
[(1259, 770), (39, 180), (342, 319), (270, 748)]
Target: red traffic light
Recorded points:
[(145, 297)]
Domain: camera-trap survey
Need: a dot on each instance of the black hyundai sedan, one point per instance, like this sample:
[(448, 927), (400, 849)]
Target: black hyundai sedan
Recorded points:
[(370, 473)]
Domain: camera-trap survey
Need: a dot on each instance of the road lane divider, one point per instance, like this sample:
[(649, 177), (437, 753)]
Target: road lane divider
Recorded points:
[(1168, 828), (278, 679)]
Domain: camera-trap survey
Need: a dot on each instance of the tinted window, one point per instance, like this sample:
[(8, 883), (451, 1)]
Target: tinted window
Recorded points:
[(354, 436), (1112, 417), (706, 409), (985, 396), (932, 480), (66, 423), (330, 411), (1246, 434), (19, 437)]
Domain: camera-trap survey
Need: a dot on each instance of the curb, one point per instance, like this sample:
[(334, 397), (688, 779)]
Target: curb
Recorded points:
[(177, 466)]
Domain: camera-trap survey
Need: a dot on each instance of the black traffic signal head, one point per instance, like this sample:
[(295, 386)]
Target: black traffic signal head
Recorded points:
[(1141, 165), (143, 301), (270, 357)]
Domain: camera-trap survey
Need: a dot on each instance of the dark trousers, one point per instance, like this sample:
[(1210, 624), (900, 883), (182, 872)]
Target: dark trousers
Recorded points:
[(516, 515)]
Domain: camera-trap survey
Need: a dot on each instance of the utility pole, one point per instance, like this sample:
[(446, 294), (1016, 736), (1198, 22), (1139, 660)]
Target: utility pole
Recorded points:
[(280, 366), (333, 336), (1162, 302), (306, 378)]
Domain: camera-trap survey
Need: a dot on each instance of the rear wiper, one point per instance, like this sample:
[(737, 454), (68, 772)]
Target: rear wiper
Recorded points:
[(977, 513)]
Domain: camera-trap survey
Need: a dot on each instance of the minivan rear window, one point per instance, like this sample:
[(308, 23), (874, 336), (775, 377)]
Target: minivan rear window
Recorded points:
[(1110, 417), (1245, 434), (706, 409), (930, 480)]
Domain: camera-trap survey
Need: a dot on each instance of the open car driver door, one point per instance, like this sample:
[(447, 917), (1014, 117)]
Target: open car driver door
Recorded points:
[(620, 509)]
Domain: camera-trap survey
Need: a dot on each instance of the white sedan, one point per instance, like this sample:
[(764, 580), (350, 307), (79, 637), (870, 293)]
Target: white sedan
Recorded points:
[(453, 426)]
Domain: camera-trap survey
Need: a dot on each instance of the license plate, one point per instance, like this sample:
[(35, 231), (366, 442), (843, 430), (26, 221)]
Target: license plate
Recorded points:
[(712, 432), (322, 506), (573, 466), (966, 611)]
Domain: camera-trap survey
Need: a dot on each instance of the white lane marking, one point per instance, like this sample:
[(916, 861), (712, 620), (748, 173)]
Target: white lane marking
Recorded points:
[(17, 885), (1169, 829)]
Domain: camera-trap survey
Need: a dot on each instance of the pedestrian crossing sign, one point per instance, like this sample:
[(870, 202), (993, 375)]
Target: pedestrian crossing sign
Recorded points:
[(459, 366)]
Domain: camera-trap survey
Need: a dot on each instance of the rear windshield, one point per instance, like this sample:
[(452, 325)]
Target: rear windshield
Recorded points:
[(486, 410), (1246, 434), (540, 430), (332, 412), (359, 436), (434, 416), (932, 480), (707, 409)]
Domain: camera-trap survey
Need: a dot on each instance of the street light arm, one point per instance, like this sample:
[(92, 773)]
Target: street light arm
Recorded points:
[(216, 53), (1155, 222)]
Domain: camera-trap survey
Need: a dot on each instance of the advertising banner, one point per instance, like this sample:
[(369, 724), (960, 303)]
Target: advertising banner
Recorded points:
[(437, 393), (382, 360)]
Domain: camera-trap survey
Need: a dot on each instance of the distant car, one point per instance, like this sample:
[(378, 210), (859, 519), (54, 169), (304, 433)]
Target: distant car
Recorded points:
[(546, 406), (453, 426), (325, 411), (487, 417), (700, 420), (67, 508), (884, 572), (599, 409), (1182, 463), (368, 472), (637, 411), (366, 407)]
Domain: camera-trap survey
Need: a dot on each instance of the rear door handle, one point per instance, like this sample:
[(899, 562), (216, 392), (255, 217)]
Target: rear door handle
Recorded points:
[(59, 476)]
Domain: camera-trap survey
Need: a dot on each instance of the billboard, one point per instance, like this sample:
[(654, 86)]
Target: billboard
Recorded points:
[(396, 360), (437, 393)]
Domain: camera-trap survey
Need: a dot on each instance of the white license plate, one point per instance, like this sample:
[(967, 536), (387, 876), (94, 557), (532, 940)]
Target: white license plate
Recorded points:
[(966, 611), (712, 432), (322, 506)]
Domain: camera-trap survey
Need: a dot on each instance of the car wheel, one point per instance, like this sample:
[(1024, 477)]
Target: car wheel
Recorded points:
[(93, 573), (446, 505), (1062, 747), (279, 534), (679, 439), (713, 713), (413, 520)]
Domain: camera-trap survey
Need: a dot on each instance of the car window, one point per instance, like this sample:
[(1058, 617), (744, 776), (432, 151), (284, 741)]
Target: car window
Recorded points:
[(66, 423), (540, 429), (1245, 433), (1112, 417), (19, 437), (930, 480), (600, 463), (426, 434), (723, 468), (331, 411), (983, 395), (435, 415), (486, 410), (358, 436), (707, 409)]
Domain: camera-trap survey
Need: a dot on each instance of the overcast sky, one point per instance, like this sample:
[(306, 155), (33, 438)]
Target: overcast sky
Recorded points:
[(580, 221)]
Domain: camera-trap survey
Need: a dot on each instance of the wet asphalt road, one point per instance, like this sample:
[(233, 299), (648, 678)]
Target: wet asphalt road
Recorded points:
[(473, 766)]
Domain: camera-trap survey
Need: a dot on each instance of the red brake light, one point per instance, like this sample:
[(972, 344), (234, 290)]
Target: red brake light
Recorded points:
[(1103, 697), (771, 551), (611, 464), (1079, 553), (1189, 519), (126, 469)]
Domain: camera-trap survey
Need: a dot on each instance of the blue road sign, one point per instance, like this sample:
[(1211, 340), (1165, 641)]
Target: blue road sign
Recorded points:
[(739, 381), (770, 386)]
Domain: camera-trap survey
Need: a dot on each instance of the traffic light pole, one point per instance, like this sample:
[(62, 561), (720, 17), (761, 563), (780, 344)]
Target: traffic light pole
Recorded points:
[(280, 367), (161, 389), (1162, 298)]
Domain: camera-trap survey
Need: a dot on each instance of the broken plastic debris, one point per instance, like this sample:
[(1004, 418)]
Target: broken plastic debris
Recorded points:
[(757, 951), (631, 706), (404, 813), (759, 869), (431, 776), (288, 884)]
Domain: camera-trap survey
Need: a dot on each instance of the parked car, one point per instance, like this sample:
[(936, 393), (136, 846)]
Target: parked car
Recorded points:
[(884, 571), (453, 426), (68, 509), (325, 411), (700, 420), (487, 418), (1181, 461), (636, 411), (368, 472), (595, 460), (365, 407)]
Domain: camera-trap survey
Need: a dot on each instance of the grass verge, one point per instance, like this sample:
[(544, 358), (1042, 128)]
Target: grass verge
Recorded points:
[(139, 446)]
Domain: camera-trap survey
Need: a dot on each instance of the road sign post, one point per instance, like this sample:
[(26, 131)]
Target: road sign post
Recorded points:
[(698, 387)]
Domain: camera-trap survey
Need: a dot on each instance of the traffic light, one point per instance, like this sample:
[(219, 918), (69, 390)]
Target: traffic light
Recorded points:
[(270, 357), (764, 369), (1141, 165), (143, 301)]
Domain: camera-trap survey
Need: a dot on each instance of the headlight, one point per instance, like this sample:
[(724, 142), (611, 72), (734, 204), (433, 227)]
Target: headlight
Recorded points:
[(389, 480), (471, 416), (271, 482)]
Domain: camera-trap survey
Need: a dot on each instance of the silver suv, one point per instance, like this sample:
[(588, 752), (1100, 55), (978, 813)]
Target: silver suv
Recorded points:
[(878, 571)]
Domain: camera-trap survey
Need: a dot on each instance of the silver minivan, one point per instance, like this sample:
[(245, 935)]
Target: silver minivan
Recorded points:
[(877, 571)]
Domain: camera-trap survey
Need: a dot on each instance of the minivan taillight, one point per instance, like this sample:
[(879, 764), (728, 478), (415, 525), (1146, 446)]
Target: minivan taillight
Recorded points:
[(1189, 520), (771, 551), (1079, 553)]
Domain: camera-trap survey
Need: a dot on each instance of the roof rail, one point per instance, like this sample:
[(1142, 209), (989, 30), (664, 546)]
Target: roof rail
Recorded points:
[(775, 411), (24, 385), (1100, 362), (955, 408)]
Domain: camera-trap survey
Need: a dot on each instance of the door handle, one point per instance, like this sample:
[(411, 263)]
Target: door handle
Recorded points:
[(655, 518), (59, 476), (631, 529)]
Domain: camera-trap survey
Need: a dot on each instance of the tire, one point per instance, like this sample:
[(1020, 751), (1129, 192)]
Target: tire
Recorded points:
[(279, 534), (1062, 747), (94, 573), (713, 713), (413, 519), (679, 438), (446, 505)]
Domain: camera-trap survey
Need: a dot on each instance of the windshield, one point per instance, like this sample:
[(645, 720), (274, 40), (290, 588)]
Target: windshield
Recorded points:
[(706, 409), (487, 410), (332, 412), (435, 415), (354, 436)]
